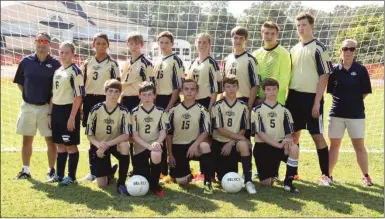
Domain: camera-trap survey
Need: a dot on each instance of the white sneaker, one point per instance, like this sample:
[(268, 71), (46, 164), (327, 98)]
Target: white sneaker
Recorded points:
[(250, 188), (89, 178), (324, 181)]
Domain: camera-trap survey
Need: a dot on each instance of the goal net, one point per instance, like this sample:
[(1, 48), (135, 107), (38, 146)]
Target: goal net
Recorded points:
[(78, 21)]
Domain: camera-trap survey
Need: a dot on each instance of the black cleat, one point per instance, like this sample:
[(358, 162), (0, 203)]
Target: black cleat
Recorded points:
[(23, 175)]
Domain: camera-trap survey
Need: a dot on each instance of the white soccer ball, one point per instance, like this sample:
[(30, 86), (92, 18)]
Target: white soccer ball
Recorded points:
[(232, 182), (137, 185)]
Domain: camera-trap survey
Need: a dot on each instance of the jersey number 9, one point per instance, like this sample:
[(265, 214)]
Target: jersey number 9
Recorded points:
[(108, 129)]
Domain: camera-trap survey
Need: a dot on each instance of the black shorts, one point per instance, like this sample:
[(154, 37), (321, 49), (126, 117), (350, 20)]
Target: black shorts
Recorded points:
[(130, 102), (204, 102), (89, 101), (300, 105), (163, 100), (141, 162), (59, 118), (102, 165), (224, 164), (267, 159), (182, 162)]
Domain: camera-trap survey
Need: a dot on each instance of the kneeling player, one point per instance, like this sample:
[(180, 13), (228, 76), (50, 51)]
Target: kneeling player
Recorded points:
[(272, 126), (149, 132), (188, 126), (108, 126), (230, 116)]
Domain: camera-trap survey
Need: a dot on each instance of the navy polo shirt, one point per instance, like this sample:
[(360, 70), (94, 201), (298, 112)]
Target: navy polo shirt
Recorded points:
[(36, 78), (347, 88)]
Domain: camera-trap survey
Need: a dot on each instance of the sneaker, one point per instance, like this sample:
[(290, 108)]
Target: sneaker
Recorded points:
[(276, 180), (110, 177), (122, 190), (324, 181), (255, 176), (67, 181), (250, 188), (331, 179), (87, 178), (158, 191), (199, 178), (208, 189), (291, 188), (23, 175), (367, 181), (51, 173), (54, 179)]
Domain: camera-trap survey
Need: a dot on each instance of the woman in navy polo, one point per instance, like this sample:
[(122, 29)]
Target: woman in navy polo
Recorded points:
[(349, 84)]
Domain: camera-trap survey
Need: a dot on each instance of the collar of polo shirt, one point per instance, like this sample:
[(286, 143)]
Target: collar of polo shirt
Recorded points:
[(34, 57)]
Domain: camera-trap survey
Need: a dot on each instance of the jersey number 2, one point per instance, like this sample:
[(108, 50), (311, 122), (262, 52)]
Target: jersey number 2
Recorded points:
[(147, 129)]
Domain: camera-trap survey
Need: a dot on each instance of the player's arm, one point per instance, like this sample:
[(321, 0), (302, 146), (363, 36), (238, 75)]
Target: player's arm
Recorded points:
[(115, 72), (91, 129), (150, 73), (170, 131), (162, 129), (254, 79), (284, 75), (125, 73), (79, 92), (204, 129), (177, 77), (366, 87)]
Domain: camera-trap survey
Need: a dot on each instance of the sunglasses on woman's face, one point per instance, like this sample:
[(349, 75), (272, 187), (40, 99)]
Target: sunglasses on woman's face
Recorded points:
[(41, 41), (351, 49)]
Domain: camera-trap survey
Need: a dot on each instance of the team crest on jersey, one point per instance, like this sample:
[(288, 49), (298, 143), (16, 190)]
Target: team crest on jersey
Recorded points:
[(58, 77), (272, 114), (230, 113), (148, 119), (353, 73), (186, 116), (96, 67), (109, 121), (48, 65)]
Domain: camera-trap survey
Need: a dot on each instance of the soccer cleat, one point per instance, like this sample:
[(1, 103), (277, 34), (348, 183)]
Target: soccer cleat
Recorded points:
[(110, 177), (67, 181), (367, 181), (122, 190), (291, 188), (168, 179), (54, 179), (255, 176), (51, 173), (324, 181), (89, 178), (208, 188), (199, 178), (23, 175), (158, 191), (250, 188)]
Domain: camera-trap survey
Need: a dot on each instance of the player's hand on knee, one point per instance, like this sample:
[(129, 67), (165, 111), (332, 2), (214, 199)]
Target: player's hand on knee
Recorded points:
[(100, 152), (171, 160), (103, 145), (156, 146), (192, 151), (226, 149)]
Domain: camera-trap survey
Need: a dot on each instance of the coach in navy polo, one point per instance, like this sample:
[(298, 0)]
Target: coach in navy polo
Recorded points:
[(34, 78), (349, 84)]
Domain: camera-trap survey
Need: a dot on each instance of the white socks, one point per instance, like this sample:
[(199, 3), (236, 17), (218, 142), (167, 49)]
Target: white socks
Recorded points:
[(26, 169)]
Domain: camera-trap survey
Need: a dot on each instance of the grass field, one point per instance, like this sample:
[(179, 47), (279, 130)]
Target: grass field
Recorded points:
[(347, 198)]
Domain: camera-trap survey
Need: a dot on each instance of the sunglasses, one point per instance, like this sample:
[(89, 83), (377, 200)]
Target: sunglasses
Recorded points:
[(41, 41), (351, 49)]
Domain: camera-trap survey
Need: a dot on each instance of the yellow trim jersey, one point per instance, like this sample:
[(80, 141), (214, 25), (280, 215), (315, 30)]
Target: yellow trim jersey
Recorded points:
[(169, 73), (67, 84), (97, 73), (310, 61), (147, 124), (206, 74), (275, 121), (106, 125), (187, 123), (135, 72), (276, 63), (233, 118), (244, 66)]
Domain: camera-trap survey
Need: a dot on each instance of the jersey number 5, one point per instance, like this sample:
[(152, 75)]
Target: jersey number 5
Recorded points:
[(272, 123)]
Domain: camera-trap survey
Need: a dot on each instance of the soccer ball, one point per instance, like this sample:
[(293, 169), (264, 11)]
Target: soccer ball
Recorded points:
[(137, 185), (232, 182)]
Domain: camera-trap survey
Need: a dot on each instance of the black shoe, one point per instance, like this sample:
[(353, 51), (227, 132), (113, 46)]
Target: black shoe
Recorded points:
[(51, 173), (290, 188), (110, 177), (23, 175)]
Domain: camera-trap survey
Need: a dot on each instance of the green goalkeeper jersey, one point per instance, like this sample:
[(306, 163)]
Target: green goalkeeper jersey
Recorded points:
[(275, 63)]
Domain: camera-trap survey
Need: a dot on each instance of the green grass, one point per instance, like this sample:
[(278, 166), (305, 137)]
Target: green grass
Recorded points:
[(347, 198)]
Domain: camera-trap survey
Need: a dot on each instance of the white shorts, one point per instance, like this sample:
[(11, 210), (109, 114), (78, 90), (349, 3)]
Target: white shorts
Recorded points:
[(337, 126), (31, 118)]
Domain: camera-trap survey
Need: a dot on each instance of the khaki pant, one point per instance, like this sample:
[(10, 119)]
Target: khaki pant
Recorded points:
[(31, 118), (337, 126)]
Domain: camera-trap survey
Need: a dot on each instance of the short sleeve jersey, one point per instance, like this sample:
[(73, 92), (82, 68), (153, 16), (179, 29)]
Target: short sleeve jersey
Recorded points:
[(310, 61), (67, 84), (147, 124), (96, 73), (233, 118), (244, 66), (168, 73), (135, 72), (187, 123), (106, 125), (275, 121), (206, 74)]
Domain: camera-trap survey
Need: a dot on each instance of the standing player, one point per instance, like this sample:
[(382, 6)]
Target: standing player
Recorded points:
[(205, 71), (230, 116), (96, 71), (108, 127), (149, 132), (272, 127), (168, 73), (273, 61), (135, 71), (188, 127), (64, 120), (311, 69), (34, 79)]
